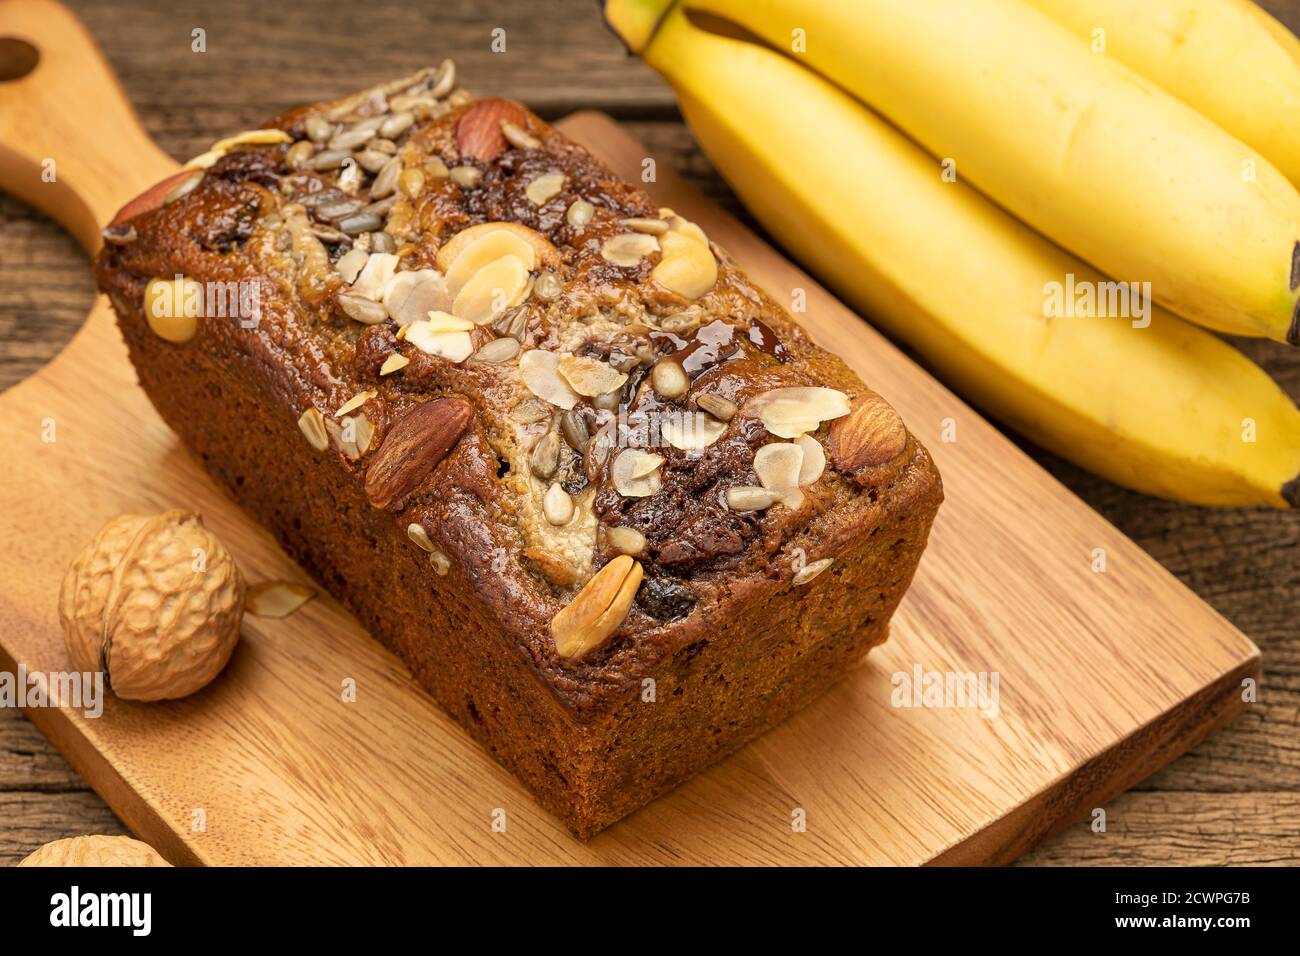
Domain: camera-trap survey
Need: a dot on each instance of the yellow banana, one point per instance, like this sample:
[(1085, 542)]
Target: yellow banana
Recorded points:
[(1075, 144), (1167, 409), (1227, 59)]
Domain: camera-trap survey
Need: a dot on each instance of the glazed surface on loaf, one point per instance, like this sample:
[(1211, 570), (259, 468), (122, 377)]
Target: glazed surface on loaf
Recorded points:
[(514, 415)]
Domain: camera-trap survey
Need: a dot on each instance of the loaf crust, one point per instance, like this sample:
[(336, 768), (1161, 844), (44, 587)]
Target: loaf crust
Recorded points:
[(729, 631)]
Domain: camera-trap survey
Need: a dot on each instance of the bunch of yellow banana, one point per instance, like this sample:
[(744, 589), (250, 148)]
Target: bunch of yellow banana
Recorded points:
[(1057, 141)]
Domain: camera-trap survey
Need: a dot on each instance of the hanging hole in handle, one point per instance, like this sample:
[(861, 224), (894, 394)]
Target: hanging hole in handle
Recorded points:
[(17, 58)]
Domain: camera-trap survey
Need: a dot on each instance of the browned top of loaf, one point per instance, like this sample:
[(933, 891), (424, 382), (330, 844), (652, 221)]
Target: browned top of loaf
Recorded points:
[(251, 217)]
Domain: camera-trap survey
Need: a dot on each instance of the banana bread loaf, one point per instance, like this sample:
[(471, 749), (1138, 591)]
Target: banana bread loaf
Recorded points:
[(550, 445)]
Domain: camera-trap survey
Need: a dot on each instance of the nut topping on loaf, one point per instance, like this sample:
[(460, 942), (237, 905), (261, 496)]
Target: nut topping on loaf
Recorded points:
[(469, 308)]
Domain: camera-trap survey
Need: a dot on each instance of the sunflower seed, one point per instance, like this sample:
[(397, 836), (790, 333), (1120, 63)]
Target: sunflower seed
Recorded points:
[(608, 402), (557, 505), (397, 124), (386, 182), (329, 159), (717, 406), (668, 378), (466, 177), (579, 213), (574, 428), (326, 234), (545, 456), (119, 235), (318, 128), (444, 79), (381, 207), (459, 98), (340, 208), (411, 182), (350, 139), (436, 168), (498, 350), (299, 153), (625, 540), (312, 200), (441, 563), (548, 286), (371, 160), (382, 242), (361, 222), (385, 146), (362, 309)]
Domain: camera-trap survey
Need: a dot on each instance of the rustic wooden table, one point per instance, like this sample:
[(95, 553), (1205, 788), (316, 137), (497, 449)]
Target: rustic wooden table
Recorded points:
[(1235, 799)]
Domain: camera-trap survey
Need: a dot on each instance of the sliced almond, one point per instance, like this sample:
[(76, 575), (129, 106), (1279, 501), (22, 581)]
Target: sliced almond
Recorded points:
[(590, 376), (276, 598), (628, 248), (251, 136), (312, 424), (446, 322), (350, 264), (544, 187), (653, 227), (353, 403), (498, 286), (750, 498), (592, 617), (394, 363), (487, 249), (545, 252), (635, 473), (498, 350), (814, 460), (691, 431), (453, 346), (811, 570), (417, 534), (540, 371), (411, 296), (777, 465), (374, 275), (791, 412)]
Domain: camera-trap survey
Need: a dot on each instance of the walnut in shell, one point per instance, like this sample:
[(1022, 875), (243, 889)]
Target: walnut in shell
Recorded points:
[(155, 602), (95, 851)]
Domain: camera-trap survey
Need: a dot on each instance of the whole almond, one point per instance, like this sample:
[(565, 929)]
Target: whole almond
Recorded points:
[(869, 435), (593, 616), (420, 439), (479, 134)]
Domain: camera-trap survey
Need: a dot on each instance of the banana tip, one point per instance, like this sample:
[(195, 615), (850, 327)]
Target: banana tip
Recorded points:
[(1291, 492)]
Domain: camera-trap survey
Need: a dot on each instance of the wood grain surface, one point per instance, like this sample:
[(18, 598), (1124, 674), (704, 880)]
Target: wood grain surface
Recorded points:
[(1234, 799)]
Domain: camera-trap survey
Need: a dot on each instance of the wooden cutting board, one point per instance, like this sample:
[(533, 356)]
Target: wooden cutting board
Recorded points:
[(1102, 677)]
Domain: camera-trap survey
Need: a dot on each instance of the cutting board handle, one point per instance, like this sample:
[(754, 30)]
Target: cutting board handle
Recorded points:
[(70, 143)]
